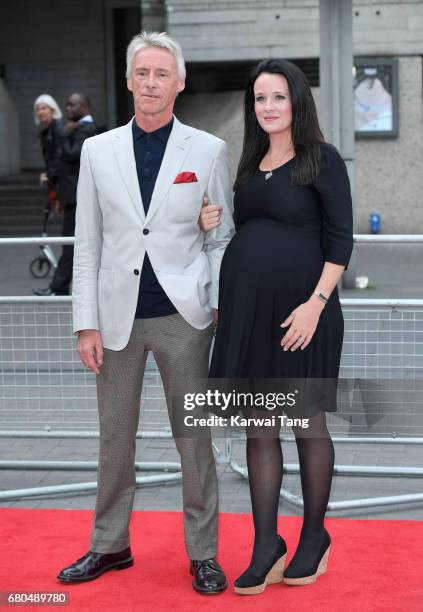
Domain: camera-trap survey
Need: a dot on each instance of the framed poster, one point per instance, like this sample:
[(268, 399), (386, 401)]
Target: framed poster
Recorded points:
[(375, 97)]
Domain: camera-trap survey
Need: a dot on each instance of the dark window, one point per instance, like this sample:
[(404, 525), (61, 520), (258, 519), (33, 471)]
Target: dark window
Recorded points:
[(203, 77)]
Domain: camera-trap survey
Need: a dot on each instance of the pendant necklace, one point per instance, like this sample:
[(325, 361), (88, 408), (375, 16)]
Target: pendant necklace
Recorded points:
[(269, 174)]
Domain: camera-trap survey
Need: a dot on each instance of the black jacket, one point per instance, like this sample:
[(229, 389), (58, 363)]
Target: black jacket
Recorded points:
[(50, 144), (71, 145)]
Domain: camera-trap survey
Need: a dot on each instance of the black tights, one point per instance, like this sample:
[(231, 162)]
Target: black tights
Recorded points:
[(265, 469)]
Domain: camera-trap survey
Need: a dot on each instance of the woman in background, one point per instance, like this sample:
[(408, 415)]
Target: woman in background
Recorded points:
[(279, 310), (47, 115)]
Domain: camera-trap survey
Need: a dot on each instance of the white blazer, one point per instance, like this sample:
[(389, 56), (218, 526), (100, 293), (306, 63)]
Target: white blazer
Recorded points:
[(111, 237)]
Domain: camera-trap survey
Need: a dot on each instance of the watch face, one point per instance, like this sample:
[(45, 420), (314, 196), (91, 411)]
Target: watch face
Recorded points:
[(322, 297)]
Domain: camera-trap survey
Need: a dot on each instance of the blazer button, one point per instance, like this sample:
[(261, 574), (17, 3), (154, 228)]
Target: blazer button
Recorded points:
[(136, 272), (145, 231)]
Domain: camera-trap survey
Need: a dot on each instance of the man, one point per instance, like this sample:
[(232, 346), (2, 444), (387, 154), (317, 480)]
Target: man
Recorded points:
[(80, 126), (146, 279)]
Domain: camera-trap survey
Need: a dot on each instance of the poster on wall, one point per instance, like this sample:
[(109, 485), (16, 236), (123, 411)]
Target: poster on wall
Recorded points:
[(376, 97)]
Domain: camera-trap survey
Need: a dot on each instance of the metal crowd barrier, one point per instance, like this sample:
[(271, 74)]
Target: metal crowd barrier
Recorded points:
[(388, 352), (47, 393), (43, 380), (383, 337)]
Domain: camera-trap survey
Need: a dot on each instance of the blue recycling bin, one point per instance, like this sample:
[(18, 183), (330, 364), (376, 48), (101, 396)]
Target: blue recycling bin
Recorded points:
[(374, 223)]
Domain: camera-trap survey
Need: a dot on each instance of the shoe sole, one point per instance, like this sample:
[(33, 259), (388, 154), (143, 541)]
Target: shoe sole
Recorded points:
[(274, 576), (118, 565), (322, 567)]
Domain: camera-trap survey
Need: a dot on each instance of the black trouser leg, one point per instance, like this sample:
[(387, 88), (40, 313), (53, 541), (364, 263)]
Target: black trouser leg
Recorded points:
[(62, 278)]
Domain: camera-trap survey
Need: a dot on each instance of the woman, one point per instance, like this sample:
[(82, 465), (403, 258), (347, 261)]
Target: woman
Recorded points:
[(279, 310), (47, 115)]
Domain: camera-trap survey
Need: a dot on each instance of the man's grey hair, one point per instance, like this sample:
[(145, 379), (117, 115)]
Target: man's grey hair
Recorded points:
[(155, 39)]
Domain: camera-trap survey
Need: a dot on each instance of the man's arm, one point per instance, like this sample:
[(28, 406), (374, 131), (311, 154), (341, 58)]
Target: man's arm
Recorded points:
[(86, 263), (88, 241), (219, 192), (73, 141)]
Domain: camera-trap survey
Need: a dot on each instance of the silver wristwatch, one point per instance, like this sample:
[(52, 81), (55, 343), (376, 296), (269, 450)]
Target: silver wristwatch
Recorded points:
[(321, 296)]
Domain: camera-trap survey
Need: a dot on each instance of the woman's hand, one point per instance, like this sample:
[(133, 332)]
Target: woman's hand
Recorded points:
[(210, 216), (303, 322)]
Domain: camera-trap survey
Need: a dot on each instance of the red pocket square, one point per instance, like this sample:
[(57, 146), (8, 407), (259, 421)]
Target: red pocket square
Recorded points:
[(186, 177)]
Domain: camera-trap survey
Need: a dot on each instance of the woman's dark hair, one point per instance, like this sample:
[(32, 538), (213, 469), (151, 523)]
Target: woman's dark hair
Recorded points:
[(306, 134)]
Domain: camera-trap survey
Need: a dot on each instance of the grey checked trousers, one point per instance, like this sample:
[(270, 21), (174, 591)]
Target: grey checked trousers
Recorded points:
[(182, 356)]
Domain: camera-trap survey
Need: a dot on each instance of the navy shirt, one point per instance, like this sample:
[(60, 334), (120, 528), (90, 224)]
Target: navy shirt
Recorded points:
[(149, 148)]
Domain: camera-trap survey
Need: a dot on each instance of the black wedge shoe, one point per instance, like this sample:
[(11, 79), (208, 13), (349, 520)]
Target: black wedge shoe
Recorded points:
[(298, 576), (251, 584)]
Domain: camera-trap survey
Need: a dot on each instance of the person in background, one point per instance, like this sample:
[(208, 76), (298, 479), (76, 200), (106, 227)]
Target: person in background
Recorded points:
[(79, 127), (48, 115)]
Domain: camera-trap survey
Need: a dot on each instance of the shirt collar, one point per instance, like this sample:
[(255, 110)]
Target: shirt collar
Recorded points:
[(87, 119), (162, 133)]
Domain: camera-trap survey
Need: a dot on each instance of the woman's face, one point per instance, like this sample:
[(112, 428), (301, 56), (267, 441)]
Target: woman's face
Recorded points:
[(272, 103), (44, 113)]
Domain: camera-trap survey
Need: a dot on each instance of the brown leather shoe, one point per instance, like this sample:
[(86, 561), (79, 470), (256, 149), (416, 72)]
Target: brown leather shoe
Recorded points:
[(93, 564)]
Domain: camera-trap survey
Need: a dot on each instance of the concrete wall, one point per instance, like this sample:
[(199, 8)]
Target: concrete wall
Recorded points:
[(289, 28), (9, 134), (388, 172), (53, 47), (58, 47)]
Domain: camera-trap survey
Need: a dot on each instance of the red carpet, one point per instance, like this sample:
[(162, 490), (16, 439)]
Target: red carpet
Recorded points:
[(373, 565)]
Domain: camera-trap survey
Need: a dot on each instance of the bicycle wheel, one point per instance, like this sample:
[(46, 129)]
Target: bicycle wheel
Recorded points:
[(40, 267)]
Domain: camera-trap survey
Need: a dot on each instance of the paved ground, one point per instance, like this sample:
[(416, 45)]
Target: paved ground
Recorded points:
[(393, 271)]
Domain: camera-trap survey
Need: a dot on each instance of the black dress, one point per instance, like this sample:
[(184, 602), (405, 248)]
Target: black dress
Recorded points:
[(284, 235)]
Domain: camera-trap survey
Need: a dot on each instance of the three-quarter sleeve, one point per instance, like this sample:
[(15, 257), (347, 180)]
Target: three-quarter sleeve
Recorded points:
[(333, 187)]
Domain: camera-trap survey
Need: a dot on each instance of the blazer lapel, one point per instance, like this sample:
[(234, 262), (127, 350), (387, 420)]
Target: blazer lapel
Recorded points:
[(177, 148), (123, 145)]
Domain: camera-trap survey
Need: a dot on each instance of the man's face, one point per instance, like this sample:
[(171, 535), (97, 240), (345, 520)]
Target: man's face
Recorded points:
[(154, 81), (74, 108)]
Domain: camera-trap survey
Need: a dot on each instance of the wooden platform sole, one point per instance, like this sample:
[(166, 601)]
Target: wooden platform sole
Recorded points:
[(310, 579), (274, 576)]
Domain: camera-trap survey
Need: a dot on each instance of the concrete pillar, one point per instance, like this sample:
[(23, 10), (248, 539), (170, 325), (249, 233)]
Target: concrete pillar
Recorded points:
[(336, 79), (10, 162), (336, 87), (153, 15)]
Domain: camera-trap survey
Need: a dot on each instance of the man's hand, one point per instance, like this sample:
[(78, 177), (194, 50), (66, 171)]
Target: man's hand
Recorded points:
[(90, 349), (70, 127), (210, 216)]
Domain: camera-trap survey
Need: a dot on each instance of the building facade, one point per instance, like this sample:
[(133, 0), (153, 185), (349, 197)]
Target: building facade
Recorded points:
[(64, 46)]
